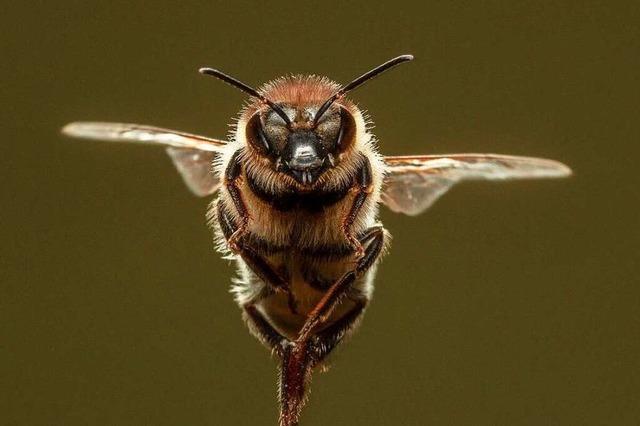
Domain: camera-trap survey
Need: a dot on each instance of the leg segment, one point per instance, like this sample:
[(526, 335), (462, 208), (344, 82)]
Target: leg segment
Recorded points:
[(363, 189), (231, 175), (265, 331), (327, 339), (295, 373)]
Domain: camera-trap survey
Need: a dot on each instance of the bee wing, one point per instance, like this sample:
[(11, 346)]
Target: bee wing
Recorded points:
[(413, 183), (191, 154), (196, 169)]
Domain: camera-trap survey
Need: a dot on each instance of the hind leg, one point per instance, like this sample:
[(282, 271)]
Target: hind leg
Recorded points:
[(374, 240), (325, 341), (264, 331), (301, 357)]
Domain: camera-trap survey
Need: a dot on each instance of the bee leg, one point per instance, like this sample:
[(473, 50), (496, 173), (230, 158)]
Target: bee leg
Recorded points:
[(297, 362), (363, 188), (299, 359), (295, 374), (264, 331), (374, 238), (326, 340), (231, 176), (257, 263)]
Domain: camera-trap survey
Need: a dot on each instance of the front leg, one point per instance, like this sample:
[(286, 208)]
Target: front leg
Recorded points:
[(363, 187), (231, 177), (374, 238)]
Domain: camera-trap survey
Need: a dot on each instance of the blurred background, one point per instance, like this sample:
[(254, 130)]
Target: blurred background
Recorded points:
[(506, 304)]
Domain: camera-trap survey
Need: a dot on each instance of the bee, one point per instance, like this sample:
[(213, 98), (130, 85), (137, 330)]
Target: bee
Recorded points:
[(298, 186)]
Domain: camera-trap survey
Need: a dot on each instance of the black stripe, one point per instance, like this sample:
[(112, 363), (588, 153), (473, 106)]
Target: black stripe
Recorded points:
[(290, 199)]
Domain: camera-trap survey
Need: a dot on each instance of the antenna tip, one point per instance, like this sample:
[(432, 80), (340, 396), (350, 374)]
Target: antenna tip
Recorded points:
[(407, 57), (205, 70)]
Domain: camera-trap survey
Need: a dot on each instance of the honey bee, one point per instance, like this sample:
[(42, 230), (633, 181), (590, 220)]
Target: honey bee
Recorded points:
[(299, 184)]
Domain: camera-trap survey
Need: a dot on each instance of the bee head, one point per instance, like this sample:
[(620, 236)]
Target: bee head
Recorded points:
[(301, 148), (302, 124)]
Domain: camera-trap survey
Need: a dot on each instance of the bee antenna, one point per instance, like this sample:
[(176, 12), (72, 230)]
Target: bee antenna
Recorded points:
[(246, 88), (359, 81)]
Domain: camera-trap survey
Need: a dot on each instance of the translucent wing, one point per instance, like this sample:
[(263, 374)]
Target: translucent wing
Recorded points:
[(195, 167), (191, 154), (414, 183)]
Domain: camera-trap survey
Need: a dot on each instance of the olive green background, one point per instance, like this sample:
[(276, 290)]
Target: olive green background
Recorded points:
[(506, 304)]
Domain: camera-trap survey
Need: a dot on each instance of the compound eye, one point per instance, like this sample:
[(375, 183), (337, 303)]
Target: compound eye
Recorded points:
[(340, 135), (257, 137), (346, 132), (263, 139)]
